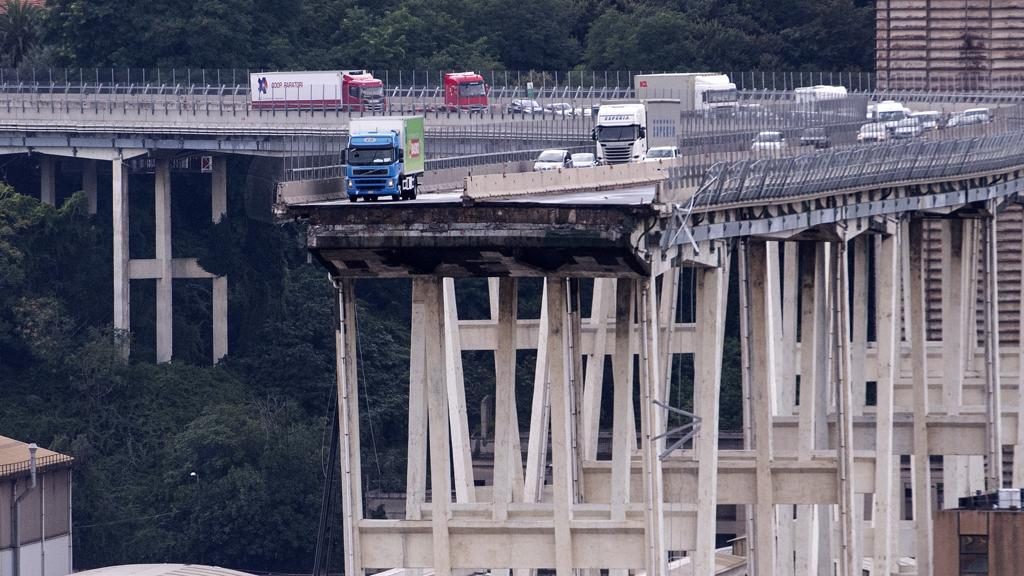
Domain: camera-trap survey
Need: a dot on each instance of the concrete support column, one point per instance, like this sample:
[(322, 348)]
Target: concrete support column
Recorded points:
[(971, 255), (712, 294), (218, 208), (164, 283), (48, 180), (540, 412), (416, 466), (652, 423), (953, 315), (762, 372), (993, 383), (89, 183), (813, 336), (122, 293), (743, 274), (462, 456), (348, 429), (887, 333), (859, 334), (623, 424), (506, 422), (603, 301), (919, 361), (437, 413), (1018, 447), (849, 525), (561, 426)]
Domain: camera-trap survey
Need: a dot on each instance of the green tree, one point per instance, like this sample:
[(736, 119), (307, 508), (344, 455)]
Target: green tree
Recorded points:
[(20, 30)]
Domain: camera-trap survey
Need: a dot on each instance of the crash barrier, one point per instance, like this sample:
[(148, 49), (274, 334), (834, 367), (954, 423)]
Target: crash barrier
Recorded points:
[(480, 187)]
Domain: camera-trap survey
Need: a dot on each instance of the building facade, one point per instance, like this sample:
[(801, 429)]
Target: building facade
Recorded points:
[(35, 510), (949, 45)]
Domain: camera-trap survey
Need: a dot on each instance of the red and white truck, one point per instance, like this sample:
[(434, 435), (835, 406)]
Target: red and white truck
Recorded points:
[(465, 91), (355, 90)]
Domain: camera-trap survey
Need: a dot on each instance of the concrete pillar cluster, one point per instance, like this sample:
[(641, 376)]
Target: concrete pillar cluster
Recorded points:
[(820, 478)]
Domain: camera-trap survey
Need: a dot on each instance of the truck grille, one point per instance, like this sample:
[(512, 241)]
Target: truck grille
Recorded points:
[(617, 153), (369, 171), (370, 183)]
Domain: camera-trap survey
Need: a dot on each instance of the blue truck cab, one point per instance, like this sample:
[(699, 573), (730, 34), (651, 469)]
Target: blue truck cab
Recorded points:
[(384, 158)]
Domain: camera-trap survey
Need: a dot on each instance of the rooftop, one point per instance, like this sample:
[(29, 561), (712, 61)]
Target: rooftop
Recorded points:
[(162, 570), (14, 457)]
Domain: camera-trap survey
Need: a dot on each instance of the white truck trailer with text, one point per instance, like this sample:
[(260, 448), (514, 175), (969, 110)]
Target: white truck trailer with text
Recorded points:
[(695, 91)]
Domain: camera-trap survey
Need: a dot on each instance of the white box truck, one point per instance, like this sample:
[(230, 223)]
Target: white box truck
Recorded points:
[(354, 90), (695, 91)]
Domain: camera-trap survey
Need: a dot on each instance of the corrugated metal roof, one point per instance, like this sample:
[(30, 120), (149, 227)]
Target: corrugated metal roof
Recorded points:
[(14, 457), (162, 570)]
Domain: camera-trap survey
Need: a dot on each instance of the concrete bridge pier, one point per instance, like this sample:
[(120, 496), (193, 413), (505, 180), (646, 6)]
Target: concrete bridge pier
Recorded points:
[(164, 267)]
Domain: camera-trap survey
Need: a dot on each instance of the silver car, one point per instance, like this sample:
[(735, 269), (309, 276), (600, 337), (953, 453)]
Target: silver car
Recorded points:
[(583, 160)]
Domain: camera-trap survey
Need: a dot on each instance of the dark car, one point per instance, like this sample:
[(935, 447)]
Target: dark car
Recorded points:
[(815, 137), (525, 107)]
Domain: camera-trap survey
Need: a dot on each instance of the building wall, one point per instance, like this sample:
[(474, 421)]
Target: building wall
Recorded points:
[(39, 556), (949, 44), (995, 534)]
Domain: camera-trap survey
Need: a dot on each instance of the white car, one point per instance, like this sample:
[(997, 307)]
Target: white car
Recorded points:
[(971, 116), (560, 109), (874, 132), (583, 160), (768, 143), (552, 160), (907, 128), (928, 120), (661, 153)]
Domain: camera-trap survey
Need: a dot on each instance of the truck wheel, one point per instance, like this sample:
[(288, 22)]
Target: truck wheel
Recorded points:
[(396, 197), (372, 198), (353, 198)]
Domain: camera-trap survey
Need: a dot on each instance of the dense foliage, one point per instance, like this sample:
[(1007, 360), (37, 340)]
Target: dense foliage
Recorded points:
[(444, 34), (253, 428)]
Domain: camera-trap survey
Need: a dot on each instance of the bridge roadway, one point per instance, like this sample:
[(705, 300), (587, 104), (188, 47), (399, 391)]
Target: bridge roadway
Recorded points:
[(789, 229)]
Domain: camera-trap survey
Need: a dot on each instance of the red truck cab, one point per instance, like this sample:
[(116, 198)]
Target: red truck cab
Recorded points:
[(465, 91), (361, 92)]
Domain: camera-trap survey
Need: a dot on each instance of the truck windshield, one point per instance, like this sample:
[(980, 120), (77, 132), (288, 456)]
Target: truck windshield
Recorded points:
[(369, 156), (720, 96), (474, 89), (616, 133), (372, 91)]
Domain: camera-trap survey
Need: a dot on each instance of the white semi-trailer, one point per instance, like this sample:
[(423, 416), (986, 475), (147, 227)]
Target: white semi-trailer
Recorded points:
[(695, 91), (355, 90)]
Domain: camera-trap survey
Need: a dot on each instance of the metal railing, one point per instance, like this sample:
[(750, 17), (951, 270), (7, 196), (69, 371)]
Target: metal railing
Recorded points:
[(23, 467), (593, 84), (773, 180)]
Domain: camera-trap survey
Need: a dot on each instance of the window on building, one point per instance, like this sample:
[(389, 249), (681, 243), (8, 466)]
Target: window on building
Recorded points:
[(973, 555)]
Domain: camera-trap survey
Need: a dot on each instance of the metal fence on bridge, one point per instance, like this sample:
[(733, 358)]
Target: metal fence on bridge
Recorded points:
[(504, 84), (794, 178)]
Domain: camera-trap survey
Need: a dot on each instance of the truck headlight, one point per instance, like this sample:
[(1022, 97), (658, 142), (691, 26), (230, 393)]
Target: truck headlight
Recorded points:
[(390, 182), (350, 183)]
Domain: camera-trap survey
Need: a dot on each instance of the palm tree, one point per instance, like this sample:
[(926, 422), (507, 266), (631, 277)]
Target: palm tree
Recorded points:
[(19, 29)]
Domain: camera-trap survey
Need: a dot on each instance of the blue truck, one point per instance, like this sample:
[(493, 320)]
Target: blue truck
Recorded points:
[(385, 157)]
